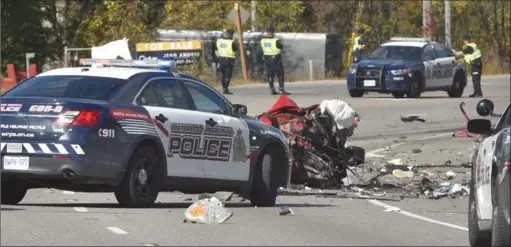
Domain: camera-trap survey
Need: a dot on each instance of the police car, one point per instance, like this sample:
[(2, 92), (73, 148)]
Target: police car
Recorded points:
[(134, 132), (490, 197), (408, 66)]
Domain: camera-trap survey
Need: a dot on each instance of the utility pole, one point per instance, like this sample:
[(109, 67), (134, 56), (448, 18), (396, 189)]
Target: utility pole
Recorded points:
[(242, 45), (447, 7), (426, 19), (253, 15)]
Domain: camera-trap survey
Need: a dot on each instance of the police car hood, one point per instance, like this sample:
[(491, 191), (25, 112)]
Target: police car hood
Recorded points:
[(389, 63), (263, 130)]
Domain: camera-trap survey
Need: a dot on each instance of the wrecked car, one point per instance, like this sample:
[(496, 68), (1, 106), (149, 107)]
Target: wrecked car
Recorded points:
[(316, 136)]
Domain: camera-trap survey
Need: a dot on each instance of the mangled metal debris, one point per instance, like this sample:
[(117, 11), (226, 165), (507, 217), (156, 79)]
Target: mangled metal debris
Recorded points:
[(316, 137), (414, 117)]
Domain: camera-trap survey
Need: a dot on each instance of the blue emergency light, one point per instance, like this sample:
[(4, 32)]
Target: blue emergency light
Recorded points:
[(166, 65)]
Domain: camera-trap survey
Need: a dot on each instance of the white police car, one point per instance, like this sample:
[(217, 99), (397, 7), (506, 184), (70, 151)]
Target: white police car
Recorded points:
[(490, 197), (134, 132), (408, 66)]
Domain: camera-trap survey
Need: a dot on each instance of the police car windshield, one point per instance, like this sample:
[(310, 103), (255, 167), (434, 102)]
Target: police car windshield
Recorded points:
[(397, 53), (67, 86)]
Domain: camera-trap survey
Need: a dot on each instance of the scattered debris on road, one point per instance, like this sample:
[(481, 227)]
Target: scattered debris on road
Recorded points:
[(207, 211), (285, 210), (413, 117)]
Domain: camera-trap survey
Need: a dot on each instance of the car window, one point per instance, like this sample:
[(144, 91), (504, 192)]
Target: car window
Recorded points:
[(205, 100), (505, 120), (397, 53), (163, 93), (442, 51), (429, 52), (66, 86)]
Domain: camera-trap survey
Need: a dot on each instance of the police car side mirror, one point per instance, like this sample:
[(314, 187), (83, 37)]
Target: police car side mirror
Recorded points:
[(479, 126), (239, 110)]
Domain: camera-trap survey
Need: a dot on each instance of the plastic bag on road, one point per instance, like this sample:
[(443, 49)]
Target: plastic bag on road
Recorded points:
[(207, 211)]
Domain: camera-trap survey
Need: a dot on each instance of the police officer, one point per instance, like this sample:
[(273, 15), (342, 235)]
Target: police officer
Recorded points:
[(272, 48), (358, 46), (224, 52), (472, 56)]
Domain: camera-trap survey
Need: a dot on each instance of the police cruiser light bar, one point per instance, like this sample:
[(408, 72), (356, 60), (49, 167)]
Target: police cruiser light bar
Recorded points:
[(159, 64), (408, 39)]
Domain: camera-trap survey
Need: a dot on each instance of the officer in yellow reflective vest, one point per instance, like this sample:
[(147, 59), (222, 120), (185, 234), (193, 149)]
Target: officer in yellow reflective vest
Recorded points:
[(225, 49), (472, 56), (358, 46), (272, 48)]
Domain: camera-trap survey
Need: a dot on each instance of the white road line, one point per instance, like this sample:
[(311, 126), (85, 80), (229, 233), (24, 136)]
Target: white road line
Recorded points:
[(373, 153), (80, 209), (68, 192), (389, 208), (436, 136), (116, 230)]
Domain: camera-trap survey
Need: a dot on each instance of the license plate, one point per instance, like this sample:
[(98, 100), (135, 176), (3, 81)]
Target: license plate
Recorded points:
[(18, 163), (369, 83)]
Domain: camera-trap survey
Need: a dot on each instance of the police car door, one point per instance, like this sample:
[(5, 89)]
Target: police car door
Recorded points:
[(447, 63), (226, 138), (178, 128), (431, 69), (484, 169)]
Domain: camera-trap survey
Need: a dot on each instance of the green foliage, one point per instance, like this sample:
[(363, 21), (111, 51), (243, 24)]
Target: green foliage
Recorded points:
[(86, 23)]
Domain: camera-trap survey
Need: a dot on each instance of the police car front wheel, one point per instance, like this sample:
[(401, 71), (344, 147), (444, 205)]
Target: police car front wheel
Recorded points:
[(13, 192), (264, 187), (141, 183)]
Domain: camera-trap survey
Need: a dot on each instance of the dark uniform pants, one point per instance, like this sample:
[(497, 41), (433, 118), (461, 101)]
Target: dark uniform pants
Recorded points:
[(274, 67), (225, 67), (477, 70)]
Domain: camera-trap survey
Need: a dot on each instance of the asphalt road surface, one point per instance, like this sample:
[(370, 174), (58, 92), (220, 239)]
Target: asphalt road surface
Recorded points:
[(54, 217)]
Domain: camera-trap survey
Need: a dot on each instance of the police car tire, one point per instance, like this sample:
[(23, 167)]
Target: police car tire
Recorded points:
[(13, 192), (456, 90), (501, 231), (398, 95), (415, 89), (356, 93), (264, 187), (476, 237), (126, 193)]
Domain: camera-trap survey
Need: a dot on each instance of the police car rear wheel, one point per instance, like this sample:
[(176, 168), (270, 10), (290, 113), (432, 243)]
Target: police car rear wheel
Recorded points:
[(140, 186), (356, 93), (13, 192), (476, 237), (264, 188), (501, 231), (456, 90)]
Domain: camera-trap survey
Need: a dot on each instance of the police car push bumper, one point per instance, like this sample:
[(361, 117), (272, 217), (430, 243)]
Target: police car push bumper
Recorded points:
[(392, 81)]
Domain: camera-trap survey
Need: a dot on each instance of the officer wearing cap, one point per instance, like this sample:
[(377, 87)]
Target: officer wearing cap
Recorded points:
[(272, 48), (472, 56), (358, 46), (225, 50)]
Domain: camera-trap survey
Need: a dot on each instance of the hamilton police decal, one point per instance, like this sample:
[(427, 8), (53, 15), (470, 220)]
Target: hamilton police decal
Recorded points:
[(196, 141)]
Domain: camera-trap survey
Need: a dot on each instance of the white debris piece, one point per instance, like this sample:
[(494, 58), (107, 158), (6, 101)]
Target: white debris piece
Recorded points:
[(342, 114), (450, 174), (207, 211)]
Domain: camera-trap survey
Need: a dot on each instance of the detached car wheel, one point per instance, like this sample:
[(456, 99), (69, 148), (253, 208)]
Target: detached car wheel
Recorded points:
[(142, 179), (13, 192), (356, 93), (476, 237), (264, 187)]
